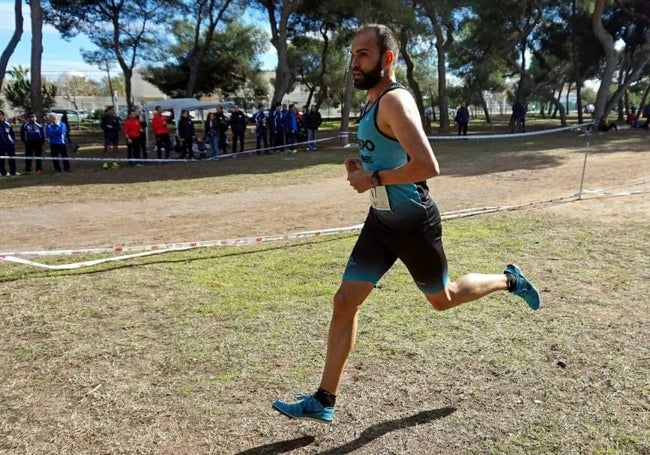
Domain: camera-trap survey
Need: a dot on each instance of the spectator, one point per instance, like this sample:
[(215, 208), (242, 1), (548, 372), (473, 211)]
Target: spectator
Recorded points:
[(211, 131), (630, 119), (646, 115), (462, 119), (7, 146), (161, 133), (200, 148), (186, 134), (66, 122), (32, 134), (290, 126), (110, 124), (261, 130), (56, 133), (278, 128), (313, 121), (604, 125), (519, 117), (143, 135), (133, 134), (222, 127), (238, 122)]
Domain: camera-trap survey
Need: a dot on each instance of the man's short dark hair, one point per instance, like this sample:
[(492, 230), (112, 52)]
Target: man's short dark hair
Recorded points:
[(385, 38)]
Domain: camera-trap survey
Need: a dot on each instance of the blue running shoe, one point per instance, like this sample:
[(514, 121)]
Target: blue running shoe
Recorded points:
[(307, 407), (523, 288)]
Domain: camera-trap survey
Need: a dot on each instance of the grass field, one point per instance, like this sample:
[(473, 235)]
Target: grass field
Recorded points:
[(183, 353)]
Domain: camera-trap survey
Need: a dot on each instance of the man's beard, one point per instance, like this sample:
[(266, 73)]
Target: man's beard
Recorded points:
[(371, 78)]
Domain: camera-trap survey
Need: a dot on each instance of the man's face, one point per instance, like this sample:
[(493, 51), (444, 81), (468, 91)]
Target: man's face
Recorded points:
[(366, 61)]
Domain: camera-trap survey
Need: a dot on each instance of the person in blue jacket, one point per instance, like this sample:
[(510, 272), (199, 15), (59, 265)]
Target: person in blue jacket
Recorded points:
[(56, 133)]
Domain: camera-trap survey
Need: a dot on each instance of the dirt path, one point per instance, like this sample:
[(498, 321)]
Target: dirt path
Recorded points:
[(329, 204)]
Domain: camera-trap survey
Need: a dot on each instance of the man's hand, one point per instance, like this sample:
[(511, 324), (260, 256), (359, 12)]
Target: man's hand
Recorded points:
[(353, 164), (359, 179)]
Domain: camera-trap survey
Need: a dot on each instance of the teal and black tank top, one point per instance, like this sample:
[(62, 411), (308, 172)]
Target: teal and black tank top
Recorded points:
[(411, 206)]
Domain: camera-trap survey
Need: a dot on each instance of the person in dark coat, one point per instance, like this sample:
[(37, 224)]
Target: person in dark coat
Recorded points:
[(462, 119), (186, 135), (238, 121)]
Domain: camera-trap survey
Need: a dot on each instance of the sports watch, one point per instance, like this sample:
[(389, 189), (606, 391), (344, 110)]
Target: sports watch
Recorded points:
[(375, 179)]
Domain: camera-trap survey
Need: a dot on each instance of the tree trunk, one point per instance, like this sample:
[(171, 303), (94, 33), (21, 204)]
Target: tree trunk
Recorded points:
[(13, 42), (486, 111), (199, 49), (576, 62), (443, 103), (347, 106), (279, 41), (607, 42), (410, 74), (559, 107), (36, 95)]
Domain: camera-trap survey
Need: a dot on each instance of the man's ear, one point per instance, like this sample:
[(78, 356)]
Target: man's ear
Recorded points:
[(389, 58)]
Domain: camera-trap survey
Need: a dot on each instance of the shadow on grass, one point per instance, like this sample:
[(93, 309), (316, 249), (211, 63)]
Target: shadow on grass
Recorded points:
[(369, 434), (280, 447)]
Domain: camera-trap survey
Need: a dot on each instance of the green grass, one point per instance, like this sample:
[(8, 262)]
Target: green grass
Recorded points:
[(183, 352), (194, 345)]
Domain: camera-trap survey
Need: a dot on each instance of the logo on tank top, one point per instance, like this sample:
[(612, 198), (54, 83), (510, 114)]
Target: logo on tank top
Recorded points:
[(365, 148)]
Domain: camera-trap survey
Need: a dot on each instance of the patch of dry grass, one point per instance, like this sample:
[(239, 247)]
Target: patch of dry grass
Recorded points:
[(183, 353)]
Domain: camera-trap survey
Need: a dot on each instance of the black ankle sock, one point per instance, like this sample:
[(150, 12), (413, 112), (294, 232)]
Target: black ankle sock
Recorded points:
[(325, 398), (512, 281)]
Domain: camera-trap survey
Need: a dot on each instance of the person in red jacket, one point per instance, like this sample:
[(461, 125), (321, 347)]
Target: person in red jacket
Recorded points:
[(161, 132), (132, 130)]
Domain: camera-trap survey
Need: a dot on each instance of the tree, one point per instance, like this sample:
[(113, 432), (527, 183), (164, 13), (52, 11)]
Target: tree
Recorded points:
[(444, 20), (36, 57), (229, 66), (206, 16), (13, 41), (279, 12), (71, 86), (127, 28), (18, 90), (104, 60), (607, 42)]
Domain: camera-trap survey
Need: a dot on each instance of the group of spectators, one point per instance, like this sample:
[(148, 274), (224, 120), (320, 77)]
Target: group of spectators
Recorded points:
[(33, 134), (283, 127)]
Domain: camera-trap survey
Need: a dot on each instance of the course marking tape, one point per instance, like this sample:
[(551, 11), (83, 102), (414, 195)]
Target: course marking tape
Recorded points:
[(233, 155), (149, 250)]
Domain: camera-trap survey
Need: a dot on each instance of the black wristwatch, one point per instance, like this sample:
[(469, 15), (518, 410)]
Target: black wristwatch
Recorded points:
[(375, 179)]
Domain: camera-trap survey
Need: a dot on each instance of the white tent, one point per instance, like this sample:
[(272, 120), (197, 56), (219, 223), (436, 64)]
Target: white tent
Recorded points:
[(179, 104)]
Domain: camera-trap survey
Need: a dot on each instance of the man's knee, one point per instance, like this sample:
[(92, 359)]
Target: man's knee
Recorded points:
[(439, 301), (349, 297)]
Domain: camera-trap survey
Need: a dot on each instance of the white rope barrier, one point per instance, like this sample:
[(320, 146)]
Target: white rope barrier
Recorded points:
[(148, 250), (247, 153)]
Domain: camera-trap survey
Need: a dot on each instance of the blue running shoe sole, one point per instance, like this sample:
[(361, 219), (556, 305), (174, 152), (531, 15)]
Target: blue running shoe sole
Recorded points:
[(523, 287), (293, 412)]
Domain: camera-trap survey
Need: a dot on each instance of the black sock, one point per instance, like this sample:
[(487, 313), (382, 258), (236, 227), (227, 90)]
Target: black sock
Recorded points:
[(512, 281), (325, 398)]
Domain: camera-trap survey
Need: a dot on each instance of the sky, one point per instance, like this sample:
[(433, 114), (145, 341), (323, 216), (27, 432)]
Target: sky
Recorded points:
[(59, 55)]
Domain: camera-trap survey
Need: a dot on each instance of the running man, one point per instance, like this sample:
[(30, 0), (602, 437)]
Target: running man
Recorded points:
[(403, 222)]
